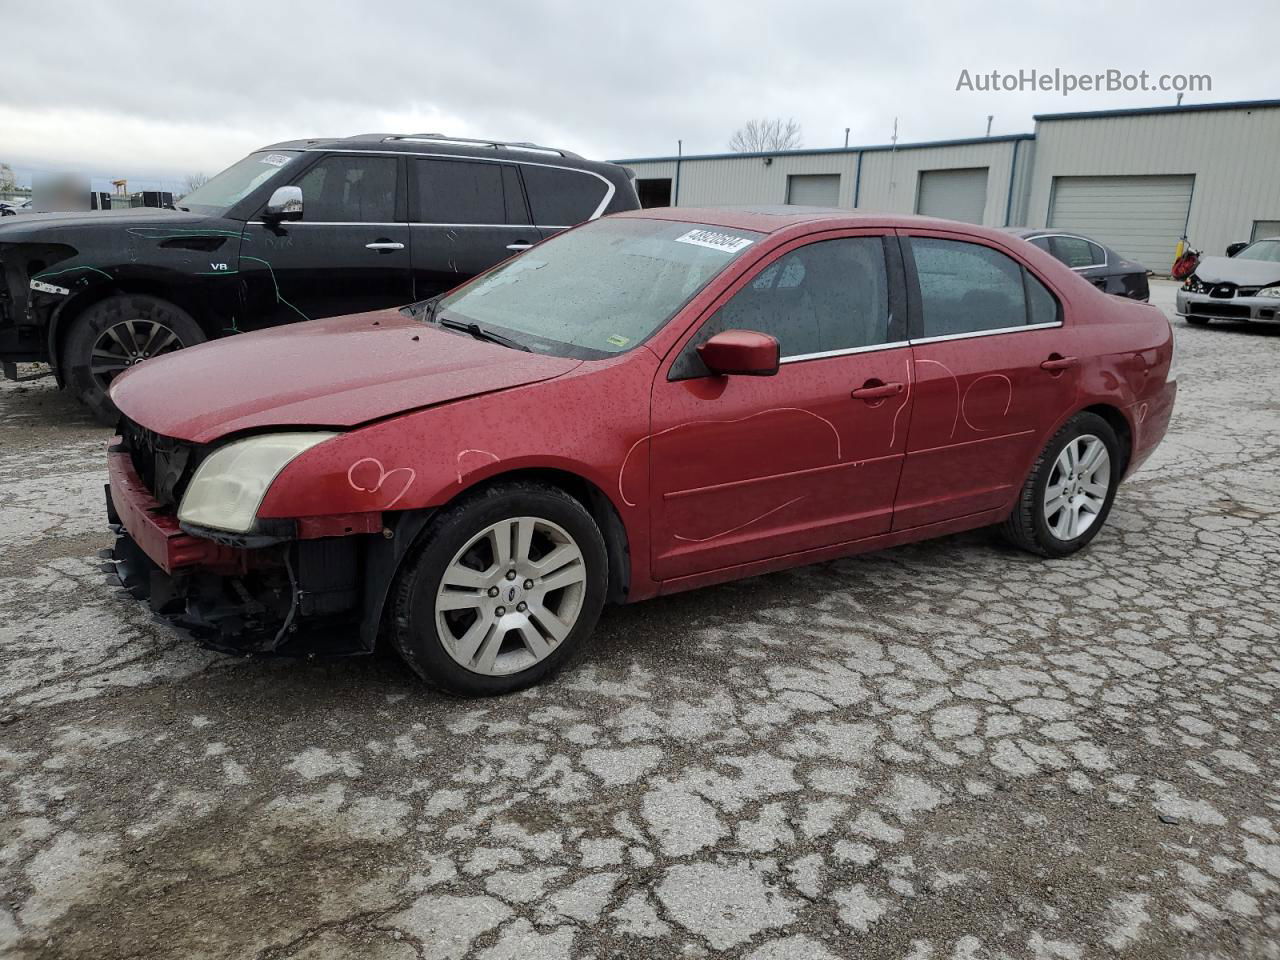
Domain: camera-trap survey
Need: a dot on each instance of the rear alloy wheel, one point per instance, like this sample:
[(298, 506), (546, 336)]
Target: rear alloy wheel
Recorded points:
[(507, 586), (116, 334), (1065, 500), (1078, 487)]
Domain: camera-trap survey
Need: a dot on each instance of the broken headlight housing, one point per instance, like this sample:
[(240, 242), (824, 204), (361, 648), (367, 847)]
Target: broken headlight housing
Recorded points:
[(1195, 285), (229, 484)]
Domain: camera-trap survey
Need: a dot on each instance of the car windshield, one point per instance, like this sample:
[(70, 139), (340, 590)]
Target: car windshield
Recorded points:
[(1261, 250), (236, 182), (600, 289)]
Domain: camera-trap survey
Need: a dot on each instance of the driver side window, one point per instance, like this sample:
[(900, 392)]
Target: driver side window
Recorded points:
[(350, 189), (825, 297)]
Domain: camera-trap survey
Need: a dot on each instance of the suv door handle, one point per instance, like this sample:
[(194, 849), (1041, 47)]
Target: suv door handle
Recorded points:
[(876, 390), (1057, 363), (519, 246), (384, 246)]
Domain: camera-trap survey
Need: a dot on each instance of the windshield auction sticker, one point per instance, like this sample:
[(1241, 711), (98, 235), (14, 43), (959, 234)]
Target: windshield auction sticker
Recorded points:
[(276, 159), (724, 242)]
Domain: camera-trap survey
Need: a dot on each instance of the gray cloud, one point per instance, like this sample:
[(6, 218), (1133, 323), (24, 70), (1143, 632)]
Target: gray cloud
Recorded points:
[(162, 88)]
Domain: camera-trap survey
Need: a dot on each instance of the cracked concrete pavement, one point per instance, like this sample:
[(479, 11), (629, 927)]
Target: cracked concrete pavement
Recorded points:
[(948, 750)]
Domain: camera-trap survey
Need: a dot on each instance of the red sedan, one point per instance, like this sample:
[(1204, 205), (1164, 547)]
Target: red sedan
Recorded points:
[(648, 403)]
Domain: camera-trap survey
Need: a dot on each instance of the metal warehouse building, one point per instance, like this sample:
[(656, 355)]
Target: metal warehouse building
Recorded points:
[(1135, 179)]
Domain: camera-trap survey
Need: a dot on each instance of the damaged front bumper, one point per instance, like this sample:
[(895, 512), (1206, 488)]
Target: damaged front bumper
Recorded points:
[(1256, 309), (247, 595)]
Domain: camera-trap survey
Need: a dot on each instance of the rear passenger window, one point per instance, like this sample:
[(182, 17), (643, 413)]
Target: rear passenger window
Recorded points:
[(350, 189), (967, 288), (1042, 306), (827, 296), (1076, 251), (455, 191), (562, 198)]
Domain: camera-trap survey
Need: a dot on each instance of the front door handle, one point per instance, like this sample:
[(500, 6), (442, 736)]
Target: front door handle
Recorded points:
[(876, 390), (384, 246), (519, 246), (1057, 363)]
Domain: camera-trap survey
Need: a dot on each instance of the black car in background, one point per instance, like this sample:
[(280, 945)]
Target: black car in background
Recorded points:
[(294, 231), (1100, 265)]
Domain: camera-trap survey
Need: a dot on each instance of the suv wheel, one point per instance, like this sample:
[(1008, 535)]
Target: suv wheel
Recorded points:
[(504, 589), (115, 334), (1066, 499)]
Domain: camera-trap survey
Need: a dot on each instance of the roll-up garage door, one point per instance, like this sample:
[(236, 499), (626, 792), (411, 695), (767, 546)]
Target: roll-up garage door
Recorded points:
[(953, 194), (1140, 217), (814, 189)]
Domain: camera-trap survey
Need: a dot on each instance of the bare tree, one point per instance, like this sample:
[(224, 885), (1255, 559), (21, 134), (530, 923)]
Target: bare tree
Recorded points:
[(195, 181), (8, 182), (765, 136)]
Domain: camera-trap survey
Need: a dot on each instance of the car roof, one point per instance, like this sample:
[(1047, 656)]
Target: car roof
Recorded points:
[(772, 219), (440, 144)]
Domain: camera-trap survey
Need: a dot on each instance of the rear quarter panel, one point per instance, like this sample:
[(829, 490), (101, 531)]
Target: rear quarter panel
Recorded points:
[(1129, 351)]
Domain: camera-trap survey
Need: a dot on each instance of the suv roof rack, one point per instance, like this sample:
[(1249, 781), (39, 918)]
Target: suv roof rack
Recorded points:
[(496, 144)]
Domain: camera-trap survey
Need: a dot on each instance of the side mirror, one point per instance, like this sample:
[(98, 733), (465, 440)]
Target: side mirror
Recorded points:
[(1234, 248), (740, 353), (285, 204)]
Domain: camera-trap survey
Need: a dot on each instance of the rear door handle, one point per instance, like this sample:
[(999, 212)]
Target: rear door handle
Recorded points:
[(875, 390), (384, 246), (519, 246), (1056, 363)]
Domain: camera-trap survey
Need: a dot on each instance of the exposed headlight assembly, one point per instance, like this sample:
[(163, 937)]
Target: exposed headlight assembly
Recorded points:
[(1270, 291), (229, 485)]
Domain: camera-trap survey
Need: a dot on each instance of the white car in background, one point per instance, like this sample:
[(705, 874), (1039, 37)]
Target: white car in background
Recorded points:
[(1244, 285), (10, 208)]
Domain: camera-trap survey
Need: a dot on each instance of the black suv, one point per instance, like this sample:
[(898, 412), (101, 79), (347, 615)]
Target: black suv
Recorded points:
[(295, 231)]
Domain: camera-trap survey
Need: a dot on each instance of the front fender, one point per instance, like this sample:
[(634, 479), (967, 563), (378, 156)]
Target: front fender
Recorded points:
[(592, 423)]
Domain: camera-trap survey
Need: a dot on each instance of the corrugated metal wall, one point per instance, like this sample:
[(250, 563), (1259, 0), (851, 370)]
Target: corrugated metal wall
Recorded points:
[(1234, 155), (889, 180)]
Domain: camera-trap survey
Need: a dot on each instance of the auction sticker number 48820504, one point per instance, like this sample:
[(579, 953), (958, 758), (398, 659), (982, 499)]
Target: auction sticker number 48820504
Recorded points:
[(724, 242)]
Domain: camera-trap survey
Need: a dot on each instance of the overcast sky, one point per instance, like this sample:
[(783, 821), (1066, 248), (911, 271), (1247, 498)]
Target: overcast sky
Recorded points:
[(162, 89)]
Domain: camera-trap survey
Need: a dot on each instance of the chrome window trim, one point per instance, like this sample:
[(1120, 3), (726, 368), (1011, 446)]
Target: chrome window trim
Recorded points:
[(610, 189), (987, 333), (847, 351), (333, 223), (403, 223), (1074, 236)]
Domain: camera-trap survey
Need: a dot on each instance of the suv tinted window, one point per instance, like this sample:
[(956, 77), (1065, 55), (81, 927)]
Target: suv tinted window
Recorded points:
[(830, 295), (966, 287), (456, 191), (1076, 251), (350, 189), (561, 198)]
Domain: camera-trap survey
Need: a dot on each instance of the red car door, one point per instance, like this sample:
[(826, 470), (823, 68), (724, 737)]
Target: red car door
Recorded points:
[(747, 468), (995, 368)]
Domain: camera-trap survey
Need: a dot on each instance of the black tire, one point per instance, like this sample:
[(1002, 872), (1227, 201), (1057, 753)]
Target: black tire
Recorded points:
[(413, 629), (1027, 526), (90, 326), (1197, 321)]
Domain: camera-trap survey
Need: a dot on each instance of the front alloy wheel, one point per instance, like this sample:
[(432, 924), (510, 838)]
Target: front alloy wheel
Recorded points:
[(126, 343), (1078, 486), (510, 596), (501, 589)]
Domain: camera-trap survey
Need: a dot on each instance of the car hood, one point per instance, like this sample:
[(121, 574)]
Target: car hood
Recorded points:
[(1243, 273), (339, 372), (53, 226)]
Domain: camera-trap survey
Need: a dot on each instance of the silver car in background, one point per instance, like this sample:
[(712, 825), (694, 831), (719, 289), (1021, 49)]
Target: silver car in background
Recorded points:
[(1244, 287)]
